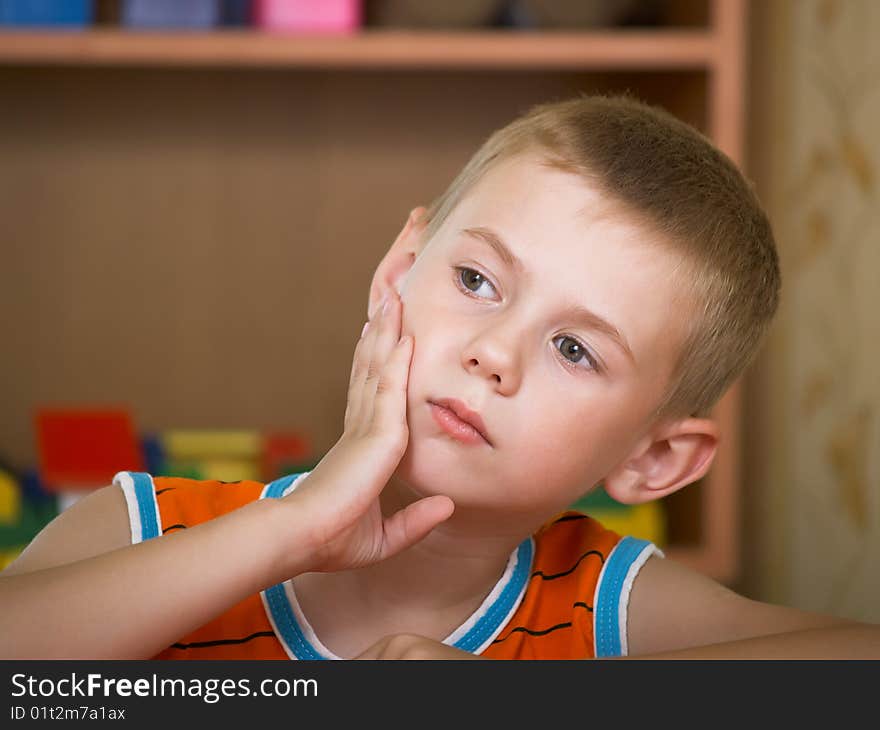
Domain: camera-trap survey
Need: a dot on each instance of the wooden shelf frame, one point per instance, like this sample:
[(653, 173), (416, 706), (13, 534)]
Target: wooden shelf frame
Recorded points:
[(370, 49)]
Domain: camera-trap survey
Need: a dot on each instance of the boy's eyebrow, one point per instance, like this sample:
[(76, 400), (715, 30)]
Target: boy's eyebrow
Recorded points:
[(576, 312), (594, 321), (487, 235)]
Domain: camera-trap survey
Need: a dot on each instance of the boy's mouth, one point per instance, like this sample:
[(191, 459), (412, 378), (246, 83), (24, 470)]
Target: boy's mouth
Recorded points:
[(459, 421)]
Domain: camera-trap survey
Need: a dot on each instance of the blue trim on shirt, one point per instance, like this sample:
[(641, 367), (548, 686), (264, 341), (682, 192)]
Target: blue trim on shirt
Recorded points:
[(146, 501), (282, 613), (287, 625), (276, 488), (498, 611), (608, 599), (291, 633)]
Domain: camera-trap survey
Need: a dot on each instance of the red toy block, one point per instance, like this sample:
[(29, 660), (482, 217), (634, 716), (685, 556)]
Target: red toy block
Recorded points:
[(283, 452), (83, 448)]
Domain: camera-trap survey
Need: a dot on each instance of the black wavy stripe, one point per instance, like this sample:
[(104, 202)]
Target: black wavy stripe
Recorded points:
[(167, 489), (173, 527), (530, 632), (570, 517), (221, 642), (553, 576)]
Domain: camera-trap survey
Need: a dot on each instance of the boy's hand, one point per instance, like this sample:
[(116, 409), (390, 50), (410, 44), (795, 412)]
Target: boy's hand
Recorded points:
[(412, 646), (339, 500)]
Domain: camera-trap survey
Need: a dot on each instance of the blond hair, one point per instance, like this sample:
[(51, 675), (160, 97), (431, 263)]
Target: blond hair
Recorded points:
[(671, 179)]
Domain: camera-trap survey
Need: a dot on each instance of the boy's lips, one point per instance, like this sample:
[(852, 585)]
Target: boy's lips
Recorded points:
[(459, 421)]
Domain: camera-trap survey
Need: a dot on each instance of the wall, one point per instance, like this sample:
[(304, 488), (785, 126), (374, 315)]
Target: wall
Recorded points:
[(812, 526), (197, 244)]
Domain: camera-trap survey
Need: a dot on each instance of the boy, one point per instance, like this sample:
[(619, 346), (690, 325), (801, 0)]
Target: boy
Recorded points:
[(565, 315)]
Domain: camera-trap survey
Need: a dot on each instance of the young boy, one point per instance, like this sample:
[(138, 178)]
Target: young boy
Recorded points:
[(565, 315)]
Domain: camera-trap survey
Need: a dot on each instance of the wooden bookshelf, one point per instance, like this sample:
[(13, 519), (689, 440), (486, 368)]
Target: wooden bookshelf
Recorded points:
[(159, 153)]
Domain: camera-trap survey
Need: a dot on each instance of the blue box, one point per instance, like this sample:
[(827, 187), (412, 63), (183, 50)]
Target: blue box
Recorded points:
[(170, 13), (235, 13), (47, 13)]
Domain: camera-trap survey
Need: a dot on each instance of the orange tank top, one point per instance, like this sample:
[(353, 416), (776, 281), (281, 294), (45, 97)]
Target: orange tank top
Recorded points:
[(563, 594)]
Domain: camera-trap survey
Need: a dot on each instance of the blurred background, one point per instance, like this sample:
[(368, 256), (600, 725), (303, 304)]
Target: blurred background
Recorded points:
[(194, 195)]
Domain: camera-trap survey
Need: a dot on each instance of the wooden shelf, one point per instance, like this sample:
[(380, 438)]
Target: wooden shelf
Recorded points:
[(617, 50)]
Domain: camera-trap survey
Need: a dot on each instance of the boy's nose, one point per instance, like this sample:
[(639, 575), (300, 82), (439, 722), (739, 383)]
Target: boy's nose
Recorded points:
[(490, 358)]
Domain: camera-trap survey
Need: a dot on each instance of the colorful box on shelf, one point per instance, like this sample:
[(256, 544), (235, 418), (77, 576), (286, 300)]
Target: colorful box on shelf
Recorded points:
[(223, 454), (25, 509), (308, 16), (228, 455), (65, 14), (155, 14), (285, 453), (81, 449), (646, 521), (235, 12), (10, 499)]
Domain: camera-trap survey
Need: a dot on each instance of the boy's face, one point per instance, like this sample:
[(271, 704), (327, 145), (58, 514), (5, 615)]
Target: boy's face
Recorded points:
[(564, 396)]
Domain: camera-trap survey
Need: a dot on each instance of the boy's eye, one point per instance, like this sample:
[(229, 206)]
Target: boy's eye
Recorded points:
[(472, 280), (575, 351)]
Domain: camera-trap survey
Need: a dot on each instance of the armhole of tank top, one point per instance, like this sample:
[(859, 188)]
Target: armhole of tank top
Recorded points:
[(611, 600), (140, 499)]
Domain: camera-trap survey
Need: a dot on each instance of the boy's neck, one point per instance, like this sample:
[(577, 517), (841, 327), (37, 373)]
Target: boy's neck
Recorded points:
[(429, 589)]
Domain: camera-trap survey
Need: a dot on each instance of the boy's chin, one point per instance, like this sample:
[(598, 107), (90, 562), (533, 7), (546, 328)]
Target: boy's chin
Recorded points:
[(431, 466), (416, 472), (427, 469)]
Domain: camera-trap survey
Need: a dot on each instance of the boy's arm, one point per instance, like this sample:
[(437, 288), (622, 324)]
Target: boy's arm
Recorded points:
[(80, 590), (675, 612), (847, 641), (414, 647)]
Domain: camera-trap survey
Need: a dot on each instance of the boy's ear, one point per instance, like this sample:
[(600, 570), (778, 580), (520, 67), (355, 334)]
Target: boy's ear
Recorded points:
[(395, 264), (675, 454)]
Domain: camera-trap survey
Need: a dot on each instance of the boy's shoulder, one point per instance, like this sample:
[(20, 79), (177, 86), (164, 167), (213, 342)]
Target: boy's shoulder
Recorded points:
[(581, 576), (91, 526)]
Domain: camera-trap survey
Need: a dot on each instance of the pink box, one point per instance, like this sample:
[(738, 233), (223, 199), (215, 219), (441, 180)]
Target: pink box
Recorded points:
[(308, 16)]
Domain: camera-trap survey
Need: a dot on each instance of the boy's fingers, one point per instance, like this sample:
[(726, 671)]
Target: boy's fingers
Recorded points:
[(373, 353), (358, 355), (359, 370), (415, 521), (389, 403), (386, 336), (376, 651), (387, 332)]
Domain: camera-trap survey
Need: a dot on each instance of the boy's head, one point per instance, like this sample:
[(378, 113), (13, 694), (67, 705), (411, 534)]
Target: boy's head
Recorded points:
[(625, 211), (661, 173)]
